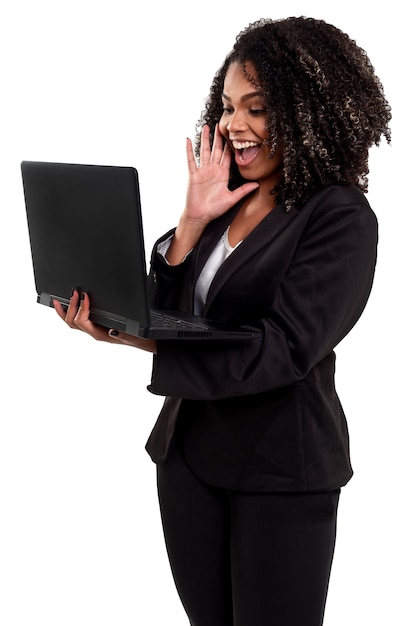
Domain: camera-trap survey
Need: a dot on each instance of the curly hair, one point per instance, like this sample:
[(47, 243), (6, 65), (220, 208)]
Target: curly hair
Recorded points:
[(325, 106)]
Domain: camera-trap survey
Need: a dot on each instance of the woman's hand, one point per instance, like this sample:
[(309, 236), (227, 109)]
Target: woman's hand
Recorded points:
[(77, 316), (208, 195)]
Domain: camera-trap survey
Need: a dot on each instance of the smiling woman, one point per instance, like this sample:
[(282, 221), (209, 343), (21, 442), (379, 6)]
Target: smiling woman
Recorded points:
[(251, 444)]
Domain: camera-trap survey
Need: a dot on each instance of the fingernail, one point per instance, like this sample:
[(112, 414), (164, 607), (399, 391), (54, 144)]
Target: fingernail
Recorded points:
[(83, 294), (113, 333)]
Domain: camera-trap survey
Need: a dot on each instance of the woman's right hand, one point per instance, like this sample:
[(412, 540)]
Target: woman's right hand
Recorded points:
[(77, 316), (208, 195)]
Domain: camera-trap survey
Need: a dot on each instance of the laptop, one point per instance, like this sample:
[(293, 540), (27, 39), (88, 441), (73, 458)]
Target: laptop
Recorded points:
[(85, 232)]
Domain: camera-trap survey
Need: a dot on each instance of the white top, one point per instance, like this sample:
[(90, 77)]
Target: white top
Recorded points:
[(221, 252)]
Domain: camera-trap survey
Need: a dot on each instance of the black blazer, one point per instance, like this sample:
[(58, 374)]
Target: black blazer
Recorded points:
[(264, 414)]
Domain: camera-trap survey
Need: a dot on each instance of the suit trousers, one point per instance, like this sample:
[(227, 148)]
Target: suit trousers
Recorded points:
[(246, 559)]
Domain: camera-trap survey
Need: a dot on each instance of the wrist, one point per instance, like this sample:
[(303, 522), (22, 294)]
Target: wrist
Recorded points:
[(191, 227), (186, 236)]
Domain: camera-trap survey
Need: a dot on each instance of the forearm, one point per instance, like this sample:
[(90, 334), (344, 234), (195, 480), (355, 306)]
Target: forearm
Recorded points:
[(185, 238)]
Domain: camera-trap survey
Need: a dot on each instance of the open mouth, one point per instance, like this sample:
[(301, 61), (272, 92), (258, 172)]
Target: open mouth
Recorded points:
[(245, 151)]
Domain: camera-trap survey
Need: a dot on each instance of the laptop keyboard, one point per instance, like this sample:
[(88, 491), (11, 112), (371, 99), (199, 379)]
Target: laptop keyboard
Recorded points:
[(159, 320)]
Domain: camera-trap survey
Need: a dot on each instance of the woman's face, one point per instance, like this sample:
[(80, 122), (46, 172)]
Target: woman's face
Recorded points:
[(243, 124)]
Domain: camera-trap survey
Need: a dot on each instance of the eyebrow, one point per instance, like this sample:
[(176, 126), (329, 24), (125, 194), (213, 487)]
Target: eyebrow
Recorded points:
[(247, 96)]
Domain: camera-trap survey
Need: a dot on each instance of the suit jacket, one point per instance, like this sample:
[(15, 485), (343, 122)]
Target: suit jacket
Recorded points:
[(264, 415)]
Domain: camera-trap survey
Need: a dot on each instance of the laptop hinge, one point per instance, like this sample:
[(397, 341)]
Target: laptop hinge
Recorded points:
[(45, 298), (132, 327)]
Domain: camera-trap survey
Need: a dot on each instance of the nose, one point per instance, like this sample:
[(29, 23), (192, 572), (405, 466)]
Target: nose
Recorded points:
[(236, 122)]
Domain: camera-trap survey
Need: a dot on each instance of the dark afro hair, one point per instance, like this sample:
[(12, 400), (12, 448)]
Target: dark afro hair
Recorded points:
[(325, 105)]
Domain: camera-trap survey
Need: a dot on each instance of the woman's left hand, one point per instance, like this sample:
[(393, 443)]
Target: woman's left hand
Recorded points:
[(77, 316)]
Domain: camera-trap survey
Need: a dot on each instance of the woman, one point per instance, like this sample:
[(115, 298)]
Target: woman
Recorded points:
[(251, 445)]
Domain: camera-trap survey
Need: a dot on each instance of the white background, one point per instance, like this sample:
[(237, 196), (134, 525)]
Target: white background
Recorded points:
[(124, 83)]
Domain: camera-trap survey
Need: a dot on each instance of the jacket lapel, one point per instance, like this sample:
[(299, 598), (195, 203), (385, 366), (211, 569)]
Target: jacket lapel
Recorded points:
[(267, 230), (213, 233)]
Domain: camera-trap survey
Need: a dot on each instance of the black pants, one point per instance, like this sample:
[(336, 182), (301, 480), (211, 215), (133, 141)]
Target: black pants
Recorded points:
[(246, 559)]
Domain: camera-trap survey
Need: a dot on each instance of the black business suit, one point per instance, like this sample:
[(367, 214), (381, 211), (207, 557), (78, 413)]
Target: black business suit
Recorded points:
[(263, 415), (252, 444)]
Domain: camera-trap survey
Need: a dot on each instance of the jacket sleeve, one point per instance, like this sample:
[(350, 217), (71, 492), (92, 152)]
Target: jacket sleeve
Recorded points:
[(318, 301)]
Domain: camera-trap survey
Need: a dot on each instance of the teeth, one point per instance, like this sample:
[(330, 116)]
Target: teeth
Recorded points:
[(238, 145)]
